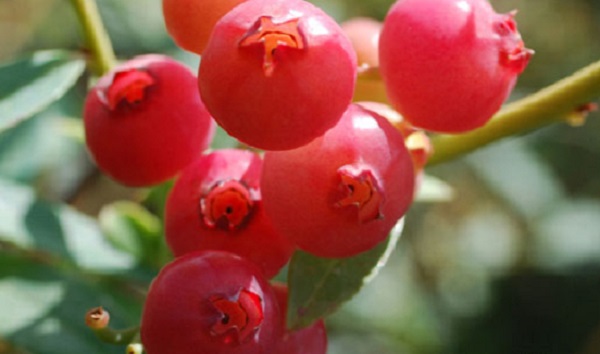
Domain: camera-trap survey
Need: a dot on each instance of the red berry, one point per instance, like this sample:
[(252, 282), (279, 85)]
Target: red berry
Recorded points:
[(448, 65), (144, 121), (417, 142), (216, 204), (309, 340), (277, 73), (342, 193), (210, 302), (190, 22)]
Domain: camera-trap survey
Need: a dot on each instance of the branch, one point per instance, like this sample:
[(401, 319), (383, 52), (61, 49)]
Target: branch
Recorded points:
[(96, 36), (555, 103)]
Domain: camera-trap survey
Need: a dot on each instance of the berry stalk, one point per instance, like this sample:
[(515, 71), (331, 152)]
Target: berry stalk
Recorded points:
[(555, 103), (96, 36)]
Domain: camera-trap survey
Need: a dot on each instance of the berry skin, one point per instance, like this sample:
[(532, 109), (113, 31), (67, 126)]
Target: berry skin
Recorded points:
[(144, 121), (190, 22), (448, 65), (342, 193), (277, 73), (309, 340), (417, 142), (210, 302), (216, 204)]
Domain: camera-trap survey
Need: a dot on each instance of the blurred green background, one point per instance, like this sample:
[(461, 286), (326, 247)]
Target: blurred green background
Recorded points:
[(510, 265)]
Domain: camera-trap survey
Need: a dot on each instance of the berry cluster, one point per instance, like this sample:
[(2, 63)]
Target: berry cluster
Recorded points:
[(335, 176)]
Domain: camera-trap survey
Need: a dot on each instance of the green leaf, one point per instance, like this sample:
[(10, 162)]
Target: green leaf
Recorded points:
[(43, 307), (318, 286), (32, 84), (34, 224), (133, 229)]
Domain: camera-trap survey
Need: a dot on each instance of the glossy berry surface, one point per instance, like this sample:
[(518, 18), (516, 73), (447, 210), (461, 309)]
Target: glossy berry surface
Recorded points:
[(277, 73), (448, 65), (190, 22), (342, 193), (309, 340), (144, 121), (216, 204), (210, 302), (417, 142)]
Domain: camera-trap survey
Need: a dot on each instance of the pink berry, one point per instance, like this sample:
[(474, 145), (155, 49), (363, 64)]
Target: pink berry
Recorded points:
[(277, 73), (216, 204), (210, 302), (144, 121), (448, 65), (342, 193)]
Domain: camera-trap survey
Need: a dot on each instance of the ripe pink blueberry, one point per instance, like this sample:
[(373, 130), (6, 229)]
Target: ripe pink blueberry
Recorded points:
[(448, 65), (277, 73), (210, 302), (144, 121), (216, 204), (342, 193)]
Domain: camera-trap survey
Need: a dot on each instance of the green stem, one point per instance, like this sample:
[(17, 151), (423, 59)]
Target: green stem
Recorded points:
[(117, 337), (554, 103), (96, 36)]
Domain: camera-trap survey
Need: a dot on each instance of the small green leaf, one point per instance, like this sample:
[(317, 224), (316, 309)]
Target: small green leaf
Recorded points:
[(133, 229), (24, 302), (318, 286), (29, 85), (34, 224), (43, 307)]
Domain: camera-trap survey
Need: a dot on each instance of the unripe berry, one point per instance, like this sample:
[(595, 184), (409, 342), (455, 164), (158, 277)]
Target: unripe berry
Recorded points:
[(277, 73), (309, 340), (144, 121), (216, 204), (190, 22), (448, 65), (210, 302), (342, 193)]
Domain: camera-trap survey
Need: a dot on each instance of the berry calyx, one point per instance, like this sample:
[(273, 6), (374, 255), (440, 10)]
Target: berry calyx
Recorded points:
[(360, 190), (228, 205), (127, 86), (513, 53), (271, 36), (240, 317)]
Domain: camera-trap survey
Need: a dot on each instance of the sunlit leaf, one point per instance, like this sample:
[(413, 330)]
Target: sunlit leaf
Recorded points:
[(29, 85), (31, 223), (318, 286)]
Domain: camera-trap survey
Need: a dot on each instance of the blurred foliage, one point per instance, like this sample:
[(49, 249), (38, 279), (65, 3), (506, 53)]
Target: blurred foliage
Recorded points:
[(510, 265)]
